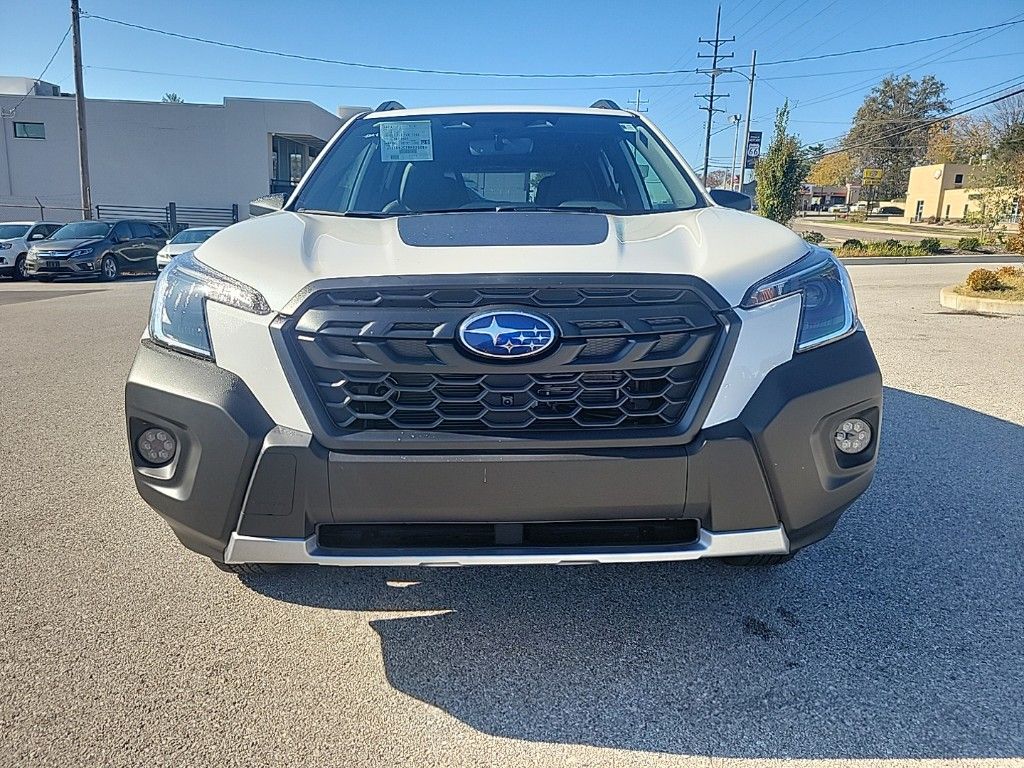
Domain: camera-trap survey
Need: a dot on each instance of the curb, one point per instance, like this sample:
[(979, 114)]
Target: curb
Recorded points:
[(986, 258), (952, 300)]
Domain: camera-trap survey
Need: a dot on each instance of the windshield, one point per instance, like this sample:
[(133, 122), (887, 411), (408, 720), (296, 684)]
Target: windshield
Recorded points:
[(80, 230), (519, 161), (10, 231), (192, 236)]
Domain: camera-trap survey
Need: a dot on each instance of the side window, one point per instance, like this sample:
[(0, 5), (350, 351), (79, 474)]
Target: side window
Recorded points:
[(121, 232), (36, 231), (51, 228), (141, 230), (157, 232)]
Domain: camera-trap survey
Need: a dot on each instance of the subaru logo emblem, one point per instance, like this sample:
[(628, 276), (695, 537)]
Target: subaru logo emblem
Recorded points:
[(506, 335)]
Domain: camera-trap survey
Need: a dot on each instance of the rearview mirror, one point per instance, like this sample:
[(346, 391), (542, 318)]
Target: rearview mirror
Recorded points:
[(37, 236), (267, 204), (731, 199)]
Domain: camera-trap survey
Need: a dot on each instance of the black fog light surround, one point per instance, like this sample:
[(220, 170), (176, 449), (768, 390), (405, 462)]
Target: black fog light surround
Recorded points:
[(853, 435), (157, 446)]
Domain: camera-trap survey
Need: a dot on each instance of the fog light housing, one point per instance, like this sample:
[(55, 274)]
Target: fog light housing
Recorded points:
[(157, 446), (853, 435)]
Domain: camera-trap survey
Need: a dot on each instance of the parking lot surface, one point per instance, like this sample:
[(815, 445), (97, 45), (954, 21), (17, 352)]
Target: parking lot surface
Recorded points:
[(897, 641)]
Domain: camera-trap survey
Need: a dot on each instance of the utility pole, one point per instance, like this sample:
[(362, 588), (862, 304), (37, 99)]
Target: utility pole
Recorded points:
[(83, 149), (714, 72), (735, 119), (750, 108), (640, 102)]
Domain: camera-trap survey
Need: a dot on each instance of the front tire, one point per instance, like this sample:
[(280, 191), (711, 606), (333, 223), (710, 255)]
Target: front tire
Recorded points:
[(20, 270), (109, 271), (758, 560)]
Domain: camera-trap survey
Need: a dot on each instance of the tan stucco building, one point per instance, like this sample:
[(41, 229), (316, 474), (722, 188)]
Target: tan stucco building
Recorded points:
[(941, 192)]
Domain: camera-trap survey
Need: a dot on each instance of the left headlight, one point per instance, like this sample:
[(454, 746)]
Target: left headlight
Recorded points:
[(177, 316), (5, 246), (829, 308)]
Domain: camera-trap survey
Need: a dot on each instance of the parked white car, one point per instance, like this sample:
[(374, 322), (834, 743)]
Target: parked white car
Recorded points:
[(186, 240), (15, 237)]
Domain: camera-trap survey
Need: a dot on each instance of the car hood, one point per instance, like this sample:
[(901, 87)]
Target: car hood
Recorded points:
[(66, 245), (176, 248), (281, 253)]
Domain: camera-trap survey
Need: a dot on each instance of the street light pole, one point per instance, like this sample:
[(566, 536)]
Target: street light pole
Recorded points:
[(83, 148), (735, 146), (750, 108)]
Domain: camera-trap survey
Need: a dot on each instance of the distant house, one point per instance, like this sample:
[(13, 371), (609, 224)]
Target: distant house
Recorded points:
[(946, 192), (818, 197)]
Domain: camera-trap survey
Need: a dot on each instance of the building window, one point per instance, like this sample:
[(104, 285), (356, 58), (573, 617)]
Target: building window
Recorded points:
[(958, 179), (29, 131)]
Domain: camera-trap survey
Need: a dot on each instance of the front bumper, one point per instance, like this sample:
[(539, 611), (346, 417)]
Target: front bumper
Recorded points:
[(242, 489), (40, 265)]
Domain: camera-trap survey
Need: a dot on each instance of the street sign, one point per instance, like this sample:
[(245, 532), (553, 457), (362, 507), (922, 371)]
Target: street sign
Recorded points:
[(753, 149), (872, 176)]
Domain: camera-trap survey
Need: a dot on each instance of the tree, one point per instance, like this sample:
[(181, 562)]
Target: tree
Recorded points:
[(962, 139), (172, 98), (888, 129), (831, 170), (779, 172)]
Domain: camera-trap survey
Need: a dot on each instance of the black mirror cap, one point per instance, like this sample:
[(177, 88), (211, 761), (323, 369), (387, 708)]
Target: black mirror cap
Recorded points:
[(731, 199), (267, 204)]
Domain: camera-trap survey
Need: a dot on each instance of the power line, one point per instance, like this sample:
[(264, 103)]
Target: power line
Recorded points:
[(925, 124), (525, 75), (14, 109)]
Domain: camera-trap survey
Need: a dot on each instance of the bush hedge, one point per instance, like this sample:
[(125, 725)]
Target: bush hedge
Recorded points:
[(853, 244), (968, 244), (930, 245), (813, 237), (983, 280)]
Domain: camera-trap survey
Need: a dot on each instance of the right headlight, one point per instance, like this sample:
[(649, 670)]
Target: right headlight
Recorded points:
[(829, 308), (177, 316)]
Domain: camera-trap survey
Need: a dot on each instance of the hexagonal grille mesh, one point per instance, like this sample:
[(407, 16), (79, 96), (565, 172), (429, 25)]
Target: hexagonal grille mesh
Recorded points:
[(627, 357)]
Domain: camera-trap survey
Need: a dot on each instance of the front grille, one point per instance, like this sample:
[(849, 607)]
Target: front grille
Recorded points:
[(629, 357)]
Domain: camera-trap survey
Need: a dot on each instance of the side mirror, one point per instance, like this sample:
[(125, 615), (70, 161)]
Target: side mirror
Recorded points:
[(731, 199), (267, 204), (37, 236)]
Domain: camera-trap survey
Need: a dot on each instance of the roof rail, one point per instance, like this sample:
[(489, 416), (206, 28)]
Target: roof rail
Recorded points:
[(389, 106), (605, 104)]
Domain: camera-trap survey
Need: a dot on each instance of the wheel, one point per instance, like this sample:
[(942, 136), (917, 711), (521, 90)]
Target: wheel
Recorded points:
[(108, 270), (249, 569), (759, 560), (20, 270)]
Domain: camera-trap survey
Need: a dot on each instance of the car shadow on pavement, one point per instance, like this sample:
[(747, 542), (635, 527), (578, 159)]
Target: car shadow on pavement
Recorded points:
[(899, 636)]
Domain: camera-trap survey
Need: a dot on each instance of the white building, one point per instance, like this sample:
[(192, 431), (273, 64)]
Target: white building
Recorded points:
[(150, 154)]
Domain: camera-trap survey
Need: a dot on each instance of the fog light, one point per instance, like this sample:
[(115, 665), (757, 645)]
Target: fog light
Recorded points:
[(853, 436), (157, 446)]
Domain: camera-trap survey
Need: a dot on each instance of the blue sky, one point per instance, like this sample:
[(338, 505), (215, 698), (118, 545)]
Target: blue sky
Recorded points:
[(525, 36)]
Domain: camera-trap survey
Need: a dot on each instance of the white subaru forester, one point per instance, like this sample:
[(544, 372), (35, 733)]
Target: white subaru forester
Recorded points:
[(502, 335)]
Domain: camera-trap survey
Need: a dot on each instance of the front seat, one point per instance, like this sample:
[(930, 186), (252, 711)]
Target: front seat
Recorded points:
[(425, 187), (563, 186)]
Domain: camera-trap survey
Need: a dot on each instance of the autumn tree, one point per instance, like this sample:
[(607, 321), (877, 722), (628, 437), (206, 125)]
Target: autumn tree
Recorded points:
[(831, 170), (889, 130), (780, 171)]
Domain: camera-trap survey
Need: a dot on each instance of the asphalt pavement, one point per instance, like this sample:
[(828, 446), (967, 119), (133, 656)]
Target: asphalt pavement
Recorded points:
[(897, 641)]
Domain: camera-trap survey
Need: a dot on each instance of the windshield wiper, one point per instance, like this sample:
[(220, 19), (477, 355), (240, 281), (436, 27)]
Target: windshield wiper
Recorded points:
[(353, 214)]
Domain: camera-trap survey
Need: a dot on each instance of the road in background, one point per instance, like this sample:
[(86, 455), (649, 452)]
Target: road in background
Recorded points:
[(894, 642)]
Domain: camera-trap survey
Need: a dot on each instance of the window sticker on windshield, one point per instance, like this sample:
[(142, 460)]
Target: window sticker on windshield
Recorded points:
[(628, 127), (405, 141)]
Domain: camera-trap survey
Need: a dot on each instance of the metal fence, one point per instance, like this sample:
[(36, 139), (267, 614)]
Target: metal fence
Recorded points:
[(173, 216)]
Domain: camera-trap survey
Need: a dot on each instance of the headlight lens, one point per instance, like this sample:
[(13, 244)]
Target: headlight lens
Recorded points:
[(177, 316), (829, 310), (81, 252), (5, 246)]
